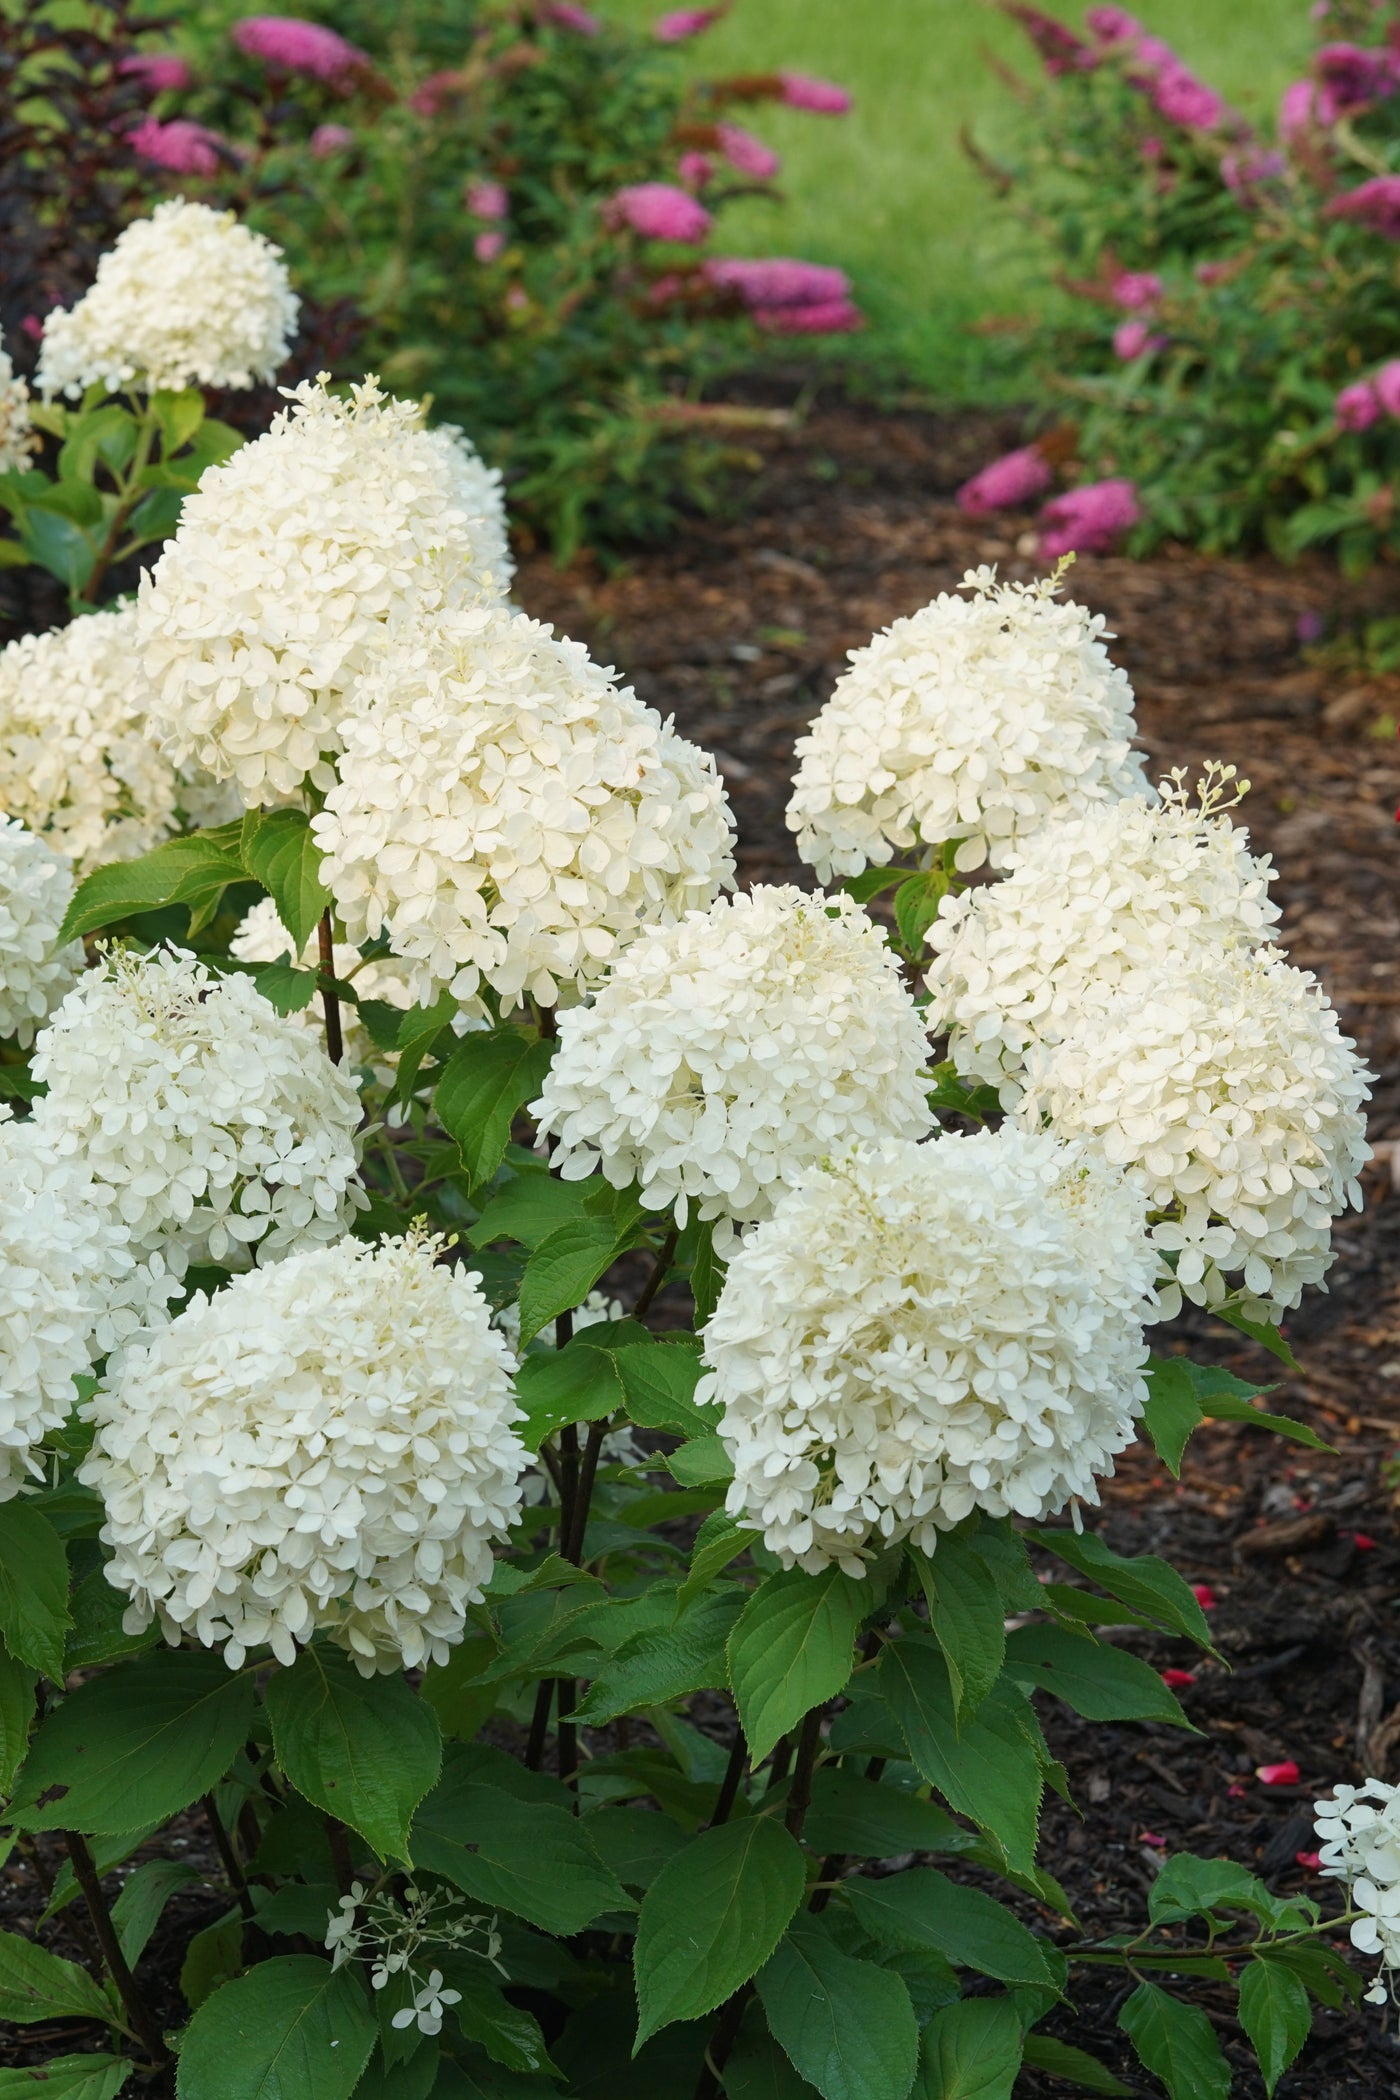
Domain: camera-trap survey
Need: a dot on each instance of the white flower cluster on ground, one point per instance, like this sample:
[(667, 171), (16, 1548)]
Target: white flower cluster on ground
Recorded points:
[(70, 1289), (18, 438), (971, 721), (510, 817), (923, 1330), (727, 1053), (1225, 1088), (326, 1444), (78, 759), (1359, 1835), (209, 1123), (36, 889), (293, 562), (1091, 900), (188, 297)]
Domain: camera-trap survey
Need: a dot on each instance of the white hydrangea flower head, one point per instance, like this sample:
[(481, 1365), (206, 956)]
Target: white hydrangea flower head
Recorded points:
[(971, 721), (1359, 1844), (18, 438), (510, 817), (262, 938), (188, 297), (919, 1331), (211, 1125), (1223, 1086), (293, 563), (727, 1053), (1090, 900), (69, 1290), (36, 889), (78, 761), (326, 1444)]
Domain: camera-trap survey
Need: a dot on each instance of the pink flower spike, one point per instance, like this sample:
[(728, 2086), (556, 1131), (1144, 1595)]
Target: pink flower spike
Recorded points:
[(1178, 96), (487, 246), (1310, 1862), (1113, 25), (1204, 1595), (1061, 51), (1150, 1837), (1285, 1774), (487, 199), (327, 139), (1089, 519), (294, 46), (746, 153), (1356, 406), (1136, 291), (1177, 1680), (1007, 483), (830, 317), (1375, 204), (658, 211), (564, 14), (695, 170), (1353, 75), (1386, 386), (182, 147), (685, 22), (1134, 338), (160, 71), (822, 97), (775, 280)]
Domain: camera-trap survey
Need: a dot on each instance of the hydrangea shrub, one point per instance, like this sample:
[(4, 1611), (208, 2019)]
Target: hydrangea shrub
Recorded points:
[(1224, 370), (538, 1408)]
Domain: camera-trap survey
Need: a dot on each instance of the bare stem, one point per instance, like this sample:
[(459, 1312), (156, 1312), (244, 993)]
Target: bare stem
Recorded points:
[(800, 1793), (233, 1867), (572, 1546), (568, 1734), (664, 1258), (539, 1724), (144, 2024), (335, 1039), (729, 1785)]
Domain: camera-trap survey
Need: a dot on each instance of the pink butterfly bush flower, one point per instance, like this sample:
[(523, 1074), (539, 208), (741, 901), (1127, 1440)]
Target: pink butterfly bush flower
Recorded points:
[(1386, 386), (1182, 99), (1305, 106), (327, 139), (1136, 291), (695, 170), (181, 146), (1243, 172), (1375, 204), (294, 46), (773, 281), (1354, 76), (827, 317), (1060, 50), (746, 153), (1114, 25), (160, 71), (487, 199), (822, 97), (1089, 519), (564, 14), (685, 22), (658, 211), (1008, 483), (1132, 338), (487, 246), (1356, 406)]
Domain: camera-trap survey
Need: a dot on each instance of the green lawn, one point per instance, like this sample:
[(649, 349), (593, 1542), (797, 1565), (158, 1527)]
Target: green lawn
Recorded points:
[(888, 193)]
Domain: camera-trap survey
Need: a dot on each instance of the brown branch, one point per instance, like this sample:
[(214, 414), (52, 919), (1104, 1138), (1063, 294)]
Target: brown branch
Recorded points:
[(144, 2024), (330, 1000)]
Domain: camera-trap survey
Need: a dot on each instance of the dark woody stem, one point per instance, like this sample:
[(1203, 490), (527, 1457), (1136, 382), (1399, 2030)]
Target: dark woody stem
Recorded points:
[(144, 2024), (335, 1039)]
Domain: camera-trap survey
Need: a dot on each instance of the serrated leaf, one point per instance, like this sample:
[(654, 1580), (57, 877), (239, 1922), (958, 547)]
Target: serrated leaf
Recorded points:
[(702, 1462), (971, 2051), (292, 2029), (922, 1908), (653, 1668), (364, 1749), (1044, 2052), (965, 1616), (88, 2077), (34, 1618), (877, 1820), (179, 415), (212, 1959), (418, 1031), (1100, 1682), (847, 2026), (1276, 2015), (96, 1634), (579, 1383), (991, 1770), (1145, 1584), (17, 1703), (1266, 1335), (563, 1270), (707, 1274), (286, 987), (144, 1895), (37, 1985), (280, 853), (659, 1379), (526, 1857), (193, 871), (720, 1540), (792, 1649), (1176, 2043), (134, 1745), (487, 1080), (916, 903), (712, 1916), (1189, 1887), (1173, 1411)]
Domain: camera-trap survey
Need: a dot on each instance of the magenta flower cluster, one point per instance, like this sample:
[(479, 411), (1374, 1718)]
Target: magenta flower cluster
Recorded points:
[(1088, 520), (1009, 483), (1365, 402), (786, 297), (685, 22), (180, 147), (294, 46), (659, 211)]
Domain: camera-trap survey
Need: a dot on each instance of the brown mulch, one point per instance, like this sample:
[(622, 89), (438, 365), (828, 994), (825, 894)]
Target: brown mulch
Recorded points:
[(740, 628)]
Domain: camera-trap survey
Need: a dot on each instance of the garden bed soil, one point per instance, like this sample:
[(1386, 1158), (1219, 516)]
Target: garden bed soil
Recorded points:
[(739, 628)]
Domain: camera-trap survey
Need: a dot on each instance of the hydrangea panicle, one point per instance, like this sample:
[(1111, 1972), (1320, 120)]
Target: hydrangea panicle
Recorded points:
[(726, 1054), (36, 889), (1359, 1845), (186, 297), (508, 816), (18, 438), (971, 721), (211, 1124), (326, 1444), (923, 1330), (293, 563)]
